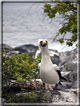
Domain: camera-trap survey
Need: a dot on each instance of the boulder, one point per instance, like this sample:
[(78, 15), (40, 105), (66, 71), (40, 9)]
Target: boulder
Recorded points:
[(74, 86), (54, 97), (30, 49), (10, 53), (73, 76), (68, 56), (6, 48), (54, 56), (64, 97), (70, 66), (55, 59)]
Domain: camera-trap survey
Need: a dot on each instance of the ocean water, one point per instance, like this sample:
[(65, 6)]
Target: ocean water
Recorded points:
[(25, 23)]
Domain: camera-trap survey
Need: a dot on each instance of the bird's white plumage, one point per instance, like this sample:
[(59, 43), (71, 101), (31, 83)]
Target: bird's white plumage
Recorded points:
[(47, 69)]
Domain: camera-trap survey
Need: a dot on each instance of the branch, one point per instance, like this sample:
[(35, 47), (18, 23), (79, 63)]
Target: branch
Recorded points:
[(30, 7)]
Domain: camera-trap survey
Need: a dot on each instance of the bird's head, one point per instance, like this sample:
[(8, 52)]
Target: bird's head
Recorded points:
[(43, 43)]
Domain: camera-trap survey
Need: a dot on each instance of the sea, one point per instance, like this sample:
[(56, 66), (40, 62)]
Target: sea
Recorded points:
[(25, 23)]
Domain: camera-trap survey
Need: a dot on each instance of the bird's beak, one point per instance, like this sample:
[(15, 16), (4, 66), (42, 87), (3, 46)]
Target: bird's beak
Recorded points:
[(44, 43)]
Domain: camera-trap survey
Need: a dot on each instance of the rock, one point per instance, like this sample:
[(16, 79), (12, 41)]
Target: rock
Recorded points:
[(10, 53), (7, 48), (65, 73), (70, 66), (76, 91), (68, 56), (38, 95), (67, 85), (55, 59), (38, 85), (30, 49), (64, 97), (74, 86), (69, 71), (73, 76), (54, 97)]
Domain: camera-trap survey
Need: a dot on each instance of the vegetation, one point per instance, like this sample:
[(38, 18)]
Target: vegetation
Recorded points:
[(27, 97), (22, 68), (68, 11)]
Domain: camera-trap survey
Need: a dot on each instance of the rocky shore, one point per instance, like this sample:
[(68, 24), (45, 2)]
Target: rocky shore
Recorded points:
[(67, 62)]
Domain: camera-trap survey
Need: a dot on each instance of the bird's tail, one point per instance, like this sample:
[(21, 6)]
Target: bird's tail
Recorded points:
[(60, 76)]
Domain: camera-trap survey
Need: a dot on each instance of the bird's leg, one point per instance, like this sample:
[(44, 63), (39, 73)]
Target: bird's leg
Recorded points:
[(43, 86), (55, 90), (55, 87)]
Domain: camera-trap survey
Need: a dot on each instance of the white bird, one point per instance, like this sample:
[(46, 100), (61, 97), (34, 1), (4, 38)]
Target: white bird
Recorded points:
[(49, 72)]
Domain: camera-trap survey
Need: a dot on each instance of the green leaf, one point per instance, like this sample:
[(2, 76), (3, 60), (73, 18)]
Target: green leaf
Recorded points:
[(74, 37), (61, 40), (19, 78), (69, 43)]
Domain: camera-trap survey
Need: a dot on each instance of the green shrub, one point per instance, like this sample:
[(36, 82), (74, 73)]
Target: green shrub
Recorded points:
[(20, 67)]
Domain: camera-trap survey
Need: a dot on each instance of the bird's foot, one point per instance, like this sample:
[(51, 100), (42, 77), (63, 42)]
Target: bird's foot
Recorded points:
[(55, 88)]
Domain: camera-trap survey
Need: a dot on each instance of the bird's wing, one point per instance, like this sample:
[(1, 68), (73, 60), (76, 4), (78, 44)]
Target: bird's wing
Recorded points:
[(38, 74), (58, 71), (55, 67), (39, 66)]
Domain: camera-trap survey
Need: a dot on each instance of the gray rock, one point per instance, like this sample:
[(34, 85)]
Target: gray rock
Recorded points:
[(10, 53), (73, 76), (69, 70), (55, 59), (65, 73), (74, 86), (54, 97), (7, 48), (71, 66), (30, 49), (67, 85), (64, 97), (68, 56)]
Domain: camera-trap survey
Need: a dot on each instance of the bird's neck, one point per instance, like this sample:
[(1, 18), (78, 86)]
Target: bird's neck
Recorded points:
[(45, 55)]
